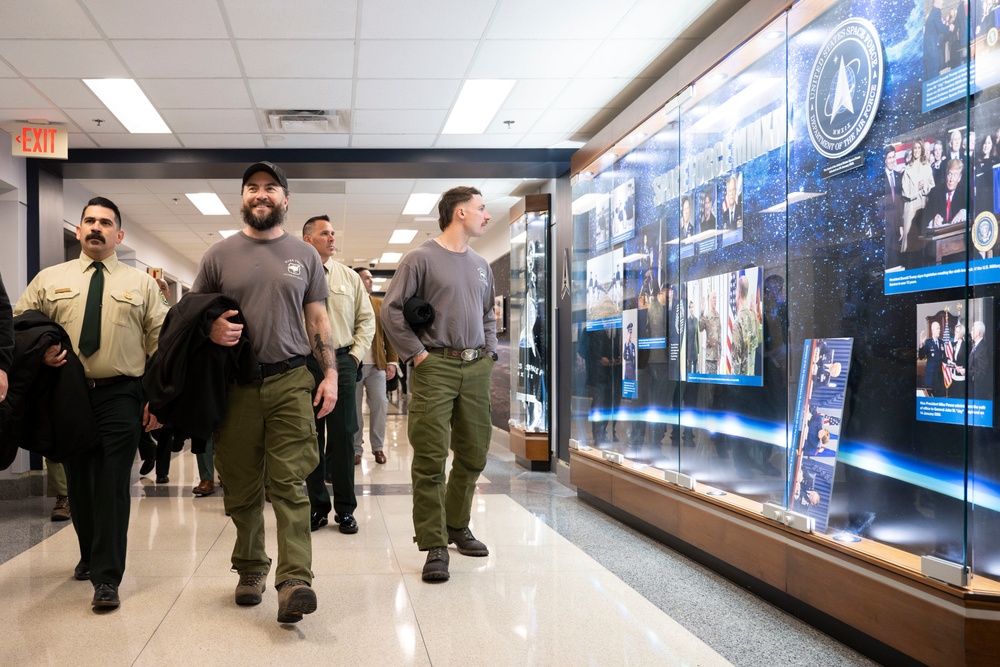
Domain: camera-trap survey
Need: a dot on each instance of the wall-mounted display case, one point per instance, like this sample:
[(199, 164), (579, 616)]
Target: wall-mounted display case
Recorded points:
[(785, 289), (529, 327)]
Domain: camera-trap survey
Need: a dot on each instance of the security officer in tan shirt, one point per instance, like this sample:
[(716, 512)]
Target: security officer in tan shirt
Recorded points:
[(352, 325), (112, 314)]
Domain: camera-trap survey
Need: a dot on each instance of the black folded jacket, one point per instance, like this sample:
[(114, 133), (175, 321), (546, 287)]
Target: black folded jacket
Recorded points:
[(417, 312)]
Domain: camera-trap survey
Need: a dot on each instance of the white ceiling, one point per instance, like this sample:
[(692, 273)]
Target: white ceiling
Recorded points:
[(213, 67)]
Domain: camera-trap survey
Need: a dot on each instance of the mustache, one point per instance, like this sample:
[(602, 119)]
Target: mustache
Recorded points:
[(94, 235)]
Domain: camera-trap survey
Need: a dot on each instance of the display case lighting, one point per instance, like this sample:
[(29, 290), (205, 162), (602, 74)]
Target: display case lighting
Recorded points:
[(847, 538), (772, 35)]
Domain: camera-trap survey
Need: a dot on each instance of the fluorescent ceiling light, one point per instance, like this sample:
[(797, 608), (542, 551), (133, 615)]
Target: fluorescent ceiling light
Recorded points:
[(123, 98), (402, 236), (390, 257), (226, 233), (378, 280), (420, 203), (208, 203), (478, 102)]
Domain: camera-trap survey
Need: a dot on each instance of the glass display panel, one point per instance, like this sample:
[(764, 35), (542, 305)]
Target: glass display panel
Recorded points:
[(800, 307), (529, 321)]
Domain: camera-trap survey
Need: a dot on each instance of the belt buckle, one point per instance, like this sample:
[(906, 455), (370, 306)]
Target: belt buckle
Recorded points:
[(470, 354), (90, 383)]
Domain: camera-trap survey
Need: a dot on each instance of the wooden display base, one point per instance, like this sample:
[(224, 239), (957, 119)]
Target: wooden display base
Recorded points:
[(530, 449), (871, 597)]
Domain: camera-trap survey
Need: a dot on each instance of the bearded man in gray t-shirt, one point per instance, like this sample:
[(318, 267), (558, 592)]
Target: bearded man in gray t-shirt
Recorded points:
[(276, 280), (452, 359)]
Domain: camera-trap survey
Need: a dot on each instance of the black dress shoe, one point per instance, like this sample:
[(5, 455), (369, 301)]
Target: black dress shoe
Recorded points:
[(147, 466), (162, 479), (317, 521), (106, 597), (82, 571), (347, 523)]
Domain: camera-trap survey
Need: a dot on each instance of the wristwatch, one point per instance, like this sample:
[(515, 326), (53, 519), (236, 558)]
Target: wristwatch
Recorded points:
[(493, 355)]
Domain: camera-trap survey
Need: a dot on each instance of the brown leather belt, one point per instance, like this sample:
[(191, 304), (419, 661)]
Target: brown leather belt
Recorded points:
[(93, 383), (468, 354)]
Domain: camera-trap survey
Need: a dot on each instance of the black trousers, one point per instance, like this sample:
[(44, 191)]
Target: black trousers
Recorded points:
[(99, 480), (335, 436)]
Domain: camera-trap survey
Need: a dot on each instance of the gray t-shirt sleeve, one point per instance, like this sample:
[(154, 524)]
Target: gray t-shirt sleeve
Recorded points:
[(394, 325)]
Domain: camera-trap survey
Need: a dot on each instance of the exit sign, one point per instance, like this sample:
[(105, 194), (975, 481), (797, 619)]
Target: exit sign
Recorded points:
[(46, 141)]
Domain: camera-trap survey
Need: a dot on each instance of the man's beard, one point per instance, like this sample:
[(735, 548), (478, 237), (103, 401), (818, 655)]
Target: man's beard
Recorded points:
[(273, 219)]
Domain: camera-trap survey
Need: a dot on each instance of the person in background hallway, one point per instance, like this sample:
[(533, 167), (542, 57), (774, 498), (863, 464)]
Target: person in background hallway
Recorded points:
[(112, 314), (55, 487), (204, 452), (378, 367), (276, 280), (352, 325), (453, 358)]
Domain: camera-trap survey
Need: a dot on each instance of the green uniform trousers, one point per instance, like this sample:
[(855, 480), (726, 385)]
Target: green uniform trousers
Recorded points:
[(99, 480), (56, 484), (269, 422), (450, 404), (335, 443)]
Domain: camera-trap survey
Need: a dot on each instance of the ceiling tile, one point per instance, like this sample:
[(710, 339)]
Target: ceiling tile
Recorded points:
[(179, 58), (302, 19), (622, 58), (655, 19), (393, 140), (109, 187), (372, 121), (67, 92), (85, 119), (46, 19), (531, 59), (555, 20), (80, 141), (195, 93), (507, 140), (196, 121), (562, 120), (299, 59), (188, 19), (387, 186), (63, 58), (414, 59), (406, 93), (11, 119), (172, 186), (534, 93), (137, 141), (5, 71), (395, 199), (221, 140), (17, 93), (301, 93), (523, 120), (428, 19), (588, 93), (543, 139)]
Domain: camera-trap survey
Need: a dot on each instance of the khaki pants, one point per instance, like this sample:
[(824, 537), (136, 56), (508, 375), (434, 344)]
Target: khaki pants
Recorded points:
[(450, 405), (270, 423)]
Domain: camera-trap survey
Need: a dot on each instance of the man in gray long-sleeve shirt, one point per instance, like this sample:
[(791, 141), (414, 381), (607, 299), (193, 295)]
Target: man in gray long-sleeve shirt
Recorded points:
[(452, 358)]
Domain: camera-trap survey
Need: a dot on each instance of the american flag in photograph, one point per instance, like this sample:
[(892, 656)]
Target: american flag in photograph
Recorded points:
[(949, 353), (730, 318)]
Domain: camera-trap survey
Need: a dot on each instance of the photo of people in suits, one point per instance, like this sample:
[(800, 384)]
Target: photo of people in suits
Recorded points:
[(731, 210), (954, 370), (623, 212)]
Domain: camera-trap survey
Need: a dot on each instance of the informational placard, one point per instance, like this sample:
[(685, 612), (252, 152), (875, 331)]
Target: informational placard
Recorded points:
[(819, 421)]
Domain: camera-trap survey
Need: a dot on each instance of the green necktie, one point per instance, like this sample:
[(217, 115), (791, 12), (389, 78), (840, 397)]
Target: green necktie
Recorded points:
[(90, 334)]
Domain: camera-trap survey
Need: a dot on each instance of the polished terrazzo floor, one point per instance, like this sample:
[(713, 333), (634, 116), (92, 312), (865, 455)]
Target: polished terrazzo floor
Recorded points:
[(563, 585)]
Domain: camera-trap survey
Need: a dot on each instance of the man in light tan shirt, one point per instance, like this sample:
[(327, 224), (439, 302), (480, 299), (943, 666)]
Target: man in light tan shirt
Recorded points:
[(113, 346), (352, 325)]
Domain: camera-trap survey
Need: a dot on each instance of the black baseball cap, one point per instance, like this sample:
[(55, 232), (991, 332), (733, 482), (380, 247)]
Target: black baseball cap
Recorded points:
[(269, 167)]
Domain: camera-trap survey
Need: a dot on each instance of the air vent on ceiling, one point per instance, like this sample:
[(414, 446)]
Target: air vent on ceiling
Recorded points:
[(299, 121)]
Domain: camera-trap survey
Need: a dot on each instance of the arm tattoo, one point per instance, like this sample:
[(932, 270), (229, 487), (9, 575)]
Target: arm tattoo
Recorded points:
[(323, 351)]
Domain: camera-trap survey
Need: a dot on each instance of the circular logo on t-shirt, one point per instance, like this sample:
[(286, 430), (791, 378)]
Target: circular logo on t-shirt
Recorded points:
[(984, 231), (845, 88), (294, 267)]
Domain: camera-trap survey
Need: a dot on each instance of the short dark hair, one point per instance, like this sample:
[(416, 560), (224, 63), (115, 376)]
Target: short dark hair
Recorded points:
[(451, 199), (359, 269), (105, 203), (310, 225)]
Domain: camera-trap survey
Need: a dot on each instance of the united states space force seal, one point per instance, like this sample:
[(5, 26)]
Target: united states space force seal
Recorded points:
[(845, 88)]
